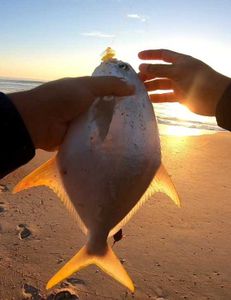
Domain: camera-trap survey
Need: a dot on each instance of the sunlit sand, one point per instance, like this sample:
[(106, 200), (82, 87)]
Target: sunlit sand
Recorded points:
[(170, 253)]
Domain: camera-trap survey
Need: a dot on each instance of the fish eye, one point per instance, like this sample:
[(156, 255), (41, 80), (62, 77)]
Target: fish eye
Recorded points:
[(124, 66)]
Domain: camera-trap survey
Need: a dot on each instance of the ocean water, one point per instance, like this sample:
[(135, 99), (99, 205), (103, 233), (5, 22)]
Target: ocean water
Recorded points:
[(173, 118), (10, 86)]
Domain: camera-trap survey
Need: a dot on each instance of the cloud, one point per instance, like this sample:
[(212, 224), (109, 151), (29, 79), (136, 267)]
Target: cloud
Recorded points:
[(98, 34), (138, 17)]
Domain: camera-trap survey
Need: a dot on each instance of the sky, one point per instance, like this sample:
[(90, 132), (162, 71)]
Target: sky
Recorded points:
[(50, 39)]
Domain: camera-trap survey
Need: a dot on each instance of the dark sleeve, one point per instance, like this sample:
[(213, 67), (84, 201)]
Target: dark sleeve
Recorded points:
[(223, 111), (16, 146)]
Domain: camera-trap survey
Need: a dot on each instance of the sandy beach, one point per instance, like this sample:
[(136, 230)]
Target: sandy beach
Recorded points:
[(170, 253)]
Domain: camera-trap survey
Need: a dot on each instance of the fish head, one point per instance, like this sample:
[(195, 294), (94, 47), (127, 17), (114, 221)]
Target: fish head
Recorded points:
[(118, 68)]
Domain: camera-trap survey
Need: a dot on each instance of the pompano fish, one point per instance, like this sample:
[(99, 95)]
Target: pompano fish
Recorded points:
[(108, 165)]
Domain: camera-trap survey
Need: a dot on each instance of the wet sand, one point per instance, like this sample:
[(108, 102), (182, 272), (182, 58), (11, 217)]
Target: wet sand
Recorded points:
[(170, 253)]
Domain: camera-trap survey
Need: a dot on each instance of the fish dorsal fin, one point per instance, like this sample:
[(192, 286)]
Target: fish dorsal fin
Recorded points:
[(48, 175), (161, 183)]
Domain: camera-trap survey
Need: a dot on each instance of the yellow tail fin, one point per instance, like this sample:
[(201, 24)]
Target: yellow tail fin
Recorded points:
[(108, 262)]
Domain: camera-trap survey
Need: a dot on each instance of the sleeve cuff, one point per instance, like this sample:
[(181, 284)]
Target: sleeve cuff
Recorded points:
[(16, 145), (223, 110)]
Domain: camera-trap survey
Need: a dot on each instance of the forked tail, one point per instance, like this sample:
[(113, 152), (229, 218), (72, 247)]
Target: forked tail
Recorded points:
[(108, 262)]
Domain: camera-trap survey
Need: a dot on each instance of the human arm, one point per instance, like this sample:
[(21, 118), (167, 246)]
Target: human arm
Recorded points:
[(194, 83), (39, 118)]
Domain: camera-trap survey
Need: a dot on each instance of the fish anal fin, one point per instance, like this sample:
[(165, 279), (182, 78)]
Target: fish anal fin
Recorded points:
[(163, 183), (108, 262), (160, 183)]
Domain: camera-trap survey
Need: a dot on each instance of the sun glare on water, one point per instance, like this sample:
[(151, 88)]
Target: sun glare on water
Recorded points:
[(175, 130), (180, 111), (182, 122)]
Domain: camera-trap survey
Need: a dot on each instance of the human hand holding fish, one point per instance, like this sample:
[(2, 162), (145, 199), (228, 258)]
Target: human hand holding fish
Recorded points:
[(48, 109), (194, 83)]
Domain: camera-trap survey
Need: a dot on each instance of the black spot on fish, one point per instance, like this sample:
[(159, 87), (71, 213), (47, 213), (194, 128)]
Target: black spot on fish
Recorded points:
[(118, 236)]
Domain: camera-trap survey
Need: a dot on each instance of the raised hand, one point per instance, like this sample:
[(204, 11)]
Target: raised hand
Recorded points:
[(192, 82)]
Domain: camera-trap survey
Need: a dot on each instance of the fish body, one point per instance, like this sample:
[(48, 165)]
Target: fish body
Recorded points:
[(117, 157), (107, 166)]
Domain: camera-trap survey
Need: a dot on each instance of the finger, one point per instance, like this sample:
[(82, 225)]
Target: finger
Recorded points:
[(145, 77), (160, 54), (142, 76), (165, 97), (109, 85), (157, 70), (159, 84)]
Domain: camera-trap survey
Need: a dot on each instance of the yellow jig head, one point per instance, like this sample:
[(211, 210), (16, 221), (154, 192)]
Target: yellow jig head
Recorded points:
[(108, 54)]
